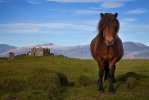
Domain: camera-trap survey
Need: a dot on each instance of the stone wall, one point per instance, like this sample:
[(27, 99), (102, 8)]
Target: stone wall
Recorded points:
[(39, 51), (11, 55)]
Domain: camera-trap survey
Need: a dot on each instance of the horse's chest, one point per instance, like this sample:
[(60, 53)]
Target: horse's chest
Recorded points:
[(107, 52)]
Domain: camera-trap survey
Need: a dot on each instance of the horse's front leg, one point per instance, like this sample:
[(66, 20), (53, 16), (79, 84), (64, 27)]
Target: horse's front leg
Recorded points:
[(114, 74), (101, 72), (111, 77)]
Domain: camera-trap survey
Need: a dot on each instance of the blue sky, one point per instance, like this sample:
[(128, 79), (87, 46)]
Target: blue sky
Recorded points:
[(69, 22)]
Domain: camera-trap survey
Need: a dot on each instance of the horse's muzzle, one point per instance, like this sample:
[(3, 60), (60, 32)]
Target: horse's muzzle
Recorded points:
[(109, 42)]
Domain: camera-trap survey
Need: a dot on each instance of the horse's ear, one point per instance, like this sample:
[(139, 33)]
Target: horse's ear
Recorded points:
[(101, 14), (116, 14)]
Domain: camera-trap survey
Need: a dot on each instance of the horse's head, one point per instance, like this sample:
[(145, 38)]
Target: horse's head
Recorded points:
[(108, 27)]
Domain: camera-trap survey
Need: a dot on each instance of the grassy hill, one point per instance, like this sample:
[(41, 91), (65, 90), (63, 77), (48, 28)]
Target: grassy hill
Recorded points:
[(61, 78)]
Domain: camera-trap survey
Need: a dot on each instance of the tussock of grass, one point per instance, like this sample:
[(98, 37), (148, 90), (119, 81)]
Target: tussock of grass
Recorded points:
[(55, 93), (50, 82), (130, 74), (43, 81), (83, 81), (131, 82), (13, 85), (63, 79)]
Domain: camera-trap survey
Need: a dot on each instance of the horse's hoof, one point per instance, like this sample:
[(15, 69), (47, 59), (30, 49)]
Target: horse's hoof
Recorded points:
[(101, 90), (114, 81), (112, 92)]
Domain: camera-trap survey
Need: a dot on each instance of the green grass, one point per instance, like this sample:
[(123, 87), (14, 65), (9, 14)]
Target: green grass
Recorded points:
[(61, 78)]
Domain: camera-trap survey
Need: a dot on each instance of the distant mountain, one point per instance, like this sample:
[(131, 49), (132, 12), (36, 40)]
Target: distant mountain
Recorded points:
[(5, 47), (82, 52), (131, 50), (135, 50), (48, 44), (17, 51)]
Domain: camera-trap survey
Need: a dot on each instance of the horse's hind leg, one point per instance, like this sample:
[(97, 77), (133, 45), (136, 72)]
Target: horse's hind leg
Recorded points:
[(101, 72)]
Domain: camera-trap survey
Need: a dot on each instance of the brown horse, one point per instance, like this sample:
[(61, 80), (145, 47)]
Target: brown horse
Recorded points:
[(107, 49)]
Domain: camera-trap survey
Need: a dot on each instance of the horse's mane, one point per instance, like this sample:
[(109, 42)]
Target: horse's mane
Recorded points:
[(107, 19)]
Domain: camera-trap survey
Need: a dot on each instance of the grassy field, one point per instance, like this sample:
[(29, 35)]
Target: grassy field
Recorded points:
[(61, 78)]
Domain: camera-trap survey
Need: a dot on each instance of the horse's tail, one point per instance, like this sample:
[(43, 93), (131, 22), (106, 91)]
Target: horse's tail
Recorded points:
[(106, 68)]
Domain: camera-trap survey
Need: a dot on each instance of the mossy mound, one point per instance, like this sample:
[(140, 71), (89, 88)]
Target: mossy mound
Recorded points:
[(41, 81), (13, 85), (84, 81), (131, 82)]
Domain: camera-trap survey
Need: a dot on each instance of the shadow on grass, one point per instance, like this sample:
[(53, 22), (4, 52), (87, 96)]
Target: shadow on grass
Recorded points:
[(129, 79)]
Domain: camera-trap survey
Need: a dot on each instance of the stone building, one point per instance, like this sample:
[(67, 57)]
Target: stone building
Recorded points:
[(11, 55), (39, 52)]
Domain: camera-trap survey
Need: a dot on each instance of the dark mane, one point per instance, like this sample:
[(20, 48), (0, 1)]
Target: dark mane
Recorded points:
[(107, 19)]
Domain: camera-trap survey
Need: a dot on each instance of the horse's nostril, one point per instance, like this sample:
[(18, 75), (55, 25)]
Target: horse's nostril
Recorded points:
[(110, 42)]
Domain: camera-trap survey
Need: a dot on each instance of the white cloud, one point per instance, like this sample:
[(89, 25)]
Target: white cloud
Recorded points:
[(36, 1), (87, 12), (112, 4), (20, 31), (146, 27), (92, 22), (103, 3), (76, 1), (128, 25), (129, 19), (136, 11), (43, 27)]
